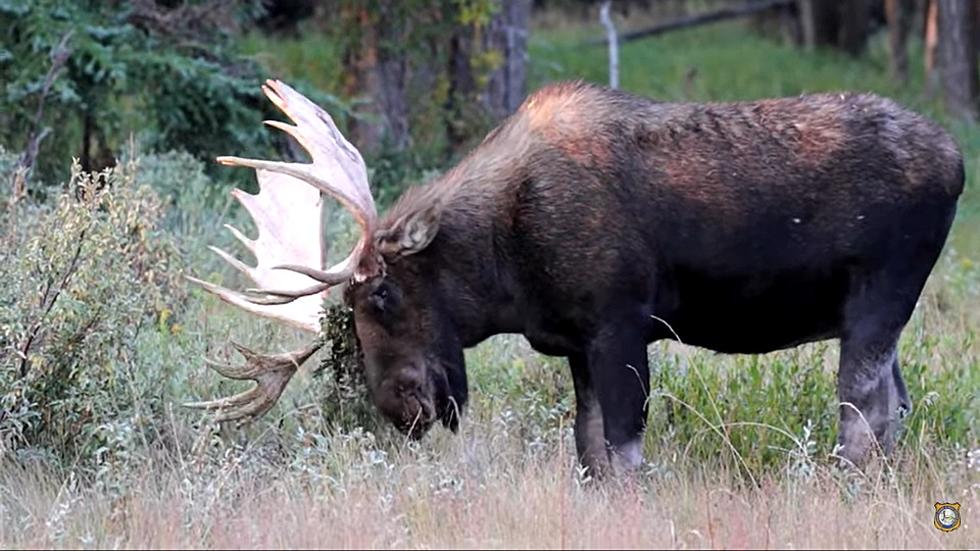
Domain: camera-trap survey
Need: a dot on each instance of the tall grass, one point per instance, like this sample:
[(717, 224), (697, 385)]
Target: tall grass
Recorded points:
[(482, 489), (739, 448)]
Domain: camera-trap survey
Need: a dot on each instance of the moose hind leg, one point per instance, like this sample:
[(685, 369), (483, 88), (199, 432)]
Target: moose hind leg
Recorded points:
[(904, 403), (590, 438), (868, 401), (870, 386)]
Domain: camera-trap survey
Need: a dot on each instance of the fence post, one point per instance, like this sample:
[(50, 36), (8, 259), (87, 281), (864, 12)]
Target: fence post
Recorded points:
[(613, 40)]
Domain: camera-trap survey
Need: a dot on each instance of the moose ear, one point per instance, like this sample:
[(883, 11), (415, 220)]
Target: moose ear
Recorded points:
[(411, 233)]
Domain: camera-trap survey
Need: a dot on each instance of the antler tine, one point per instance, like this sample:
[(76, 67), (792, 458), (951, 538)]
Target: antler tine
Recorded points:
[(300, 317), (302, 112), (307, 173), (270, 372), (288, 249), (276, 244), (267, 296), (337, 168)]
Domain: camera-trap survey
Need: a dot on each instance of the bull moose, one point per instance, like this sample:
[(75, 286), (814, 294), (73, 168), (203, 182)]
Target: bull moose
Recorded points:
[(594, 222)]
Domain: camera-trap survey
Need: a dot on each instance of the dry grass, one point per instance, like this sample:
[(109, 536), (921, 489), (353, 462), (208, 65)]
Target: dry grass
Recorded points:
[(481, 489)]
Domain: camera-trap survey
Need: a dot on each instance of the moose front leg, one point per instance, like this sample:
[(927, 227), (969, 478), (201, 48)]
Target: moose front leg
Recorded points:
[(590, 438), (617, 359)]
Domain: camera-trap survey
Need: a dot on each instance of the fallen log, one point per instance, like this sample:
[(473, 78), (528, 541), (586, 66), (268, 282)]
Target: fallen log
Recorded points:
[(698, 19)]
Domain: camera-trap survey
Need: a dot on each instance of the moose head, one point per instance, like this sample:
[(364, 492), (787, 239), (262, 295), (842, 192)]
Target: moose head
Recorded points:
[(413, 362)]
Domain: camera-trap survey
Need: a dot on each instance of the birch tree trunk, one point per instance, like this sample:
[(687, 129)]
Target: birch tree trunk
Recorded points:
[(957, 57)]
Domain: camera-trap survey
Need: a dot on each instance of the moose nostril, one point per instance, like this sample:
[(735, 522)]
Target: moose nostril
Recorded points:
[(409, 383), (409, 388)]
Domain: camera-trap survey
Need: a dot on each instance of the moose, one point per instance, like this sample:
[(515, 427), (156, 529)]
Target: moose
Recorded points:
[(594, 222)]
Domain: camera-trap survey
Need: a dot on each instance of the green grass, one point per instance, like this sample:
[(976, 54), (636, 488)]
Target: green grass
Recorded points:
[(305, 56)]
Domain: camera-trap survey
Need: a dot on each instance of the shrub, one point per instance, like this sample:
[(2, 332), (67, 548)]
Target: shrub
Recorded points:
[(84, 275)]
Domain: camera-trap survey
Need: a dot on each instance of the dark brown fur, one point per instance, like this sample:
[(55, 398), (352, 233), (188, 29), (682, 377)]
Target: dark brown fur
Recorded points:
[(592, 219)]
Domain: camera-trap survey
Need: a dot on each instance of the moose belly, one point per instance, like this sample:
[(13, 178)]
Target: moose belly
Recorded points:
[(751, 313)]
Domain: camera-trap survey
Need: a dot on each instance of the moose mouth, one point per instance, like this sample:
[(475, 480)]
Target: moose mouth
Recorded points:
[(423, 412), (415, 426)]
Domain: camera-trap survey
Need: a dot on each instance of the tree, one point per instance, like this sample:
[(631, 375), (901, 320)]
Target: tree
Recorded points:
[(957, 57), (133, 68), (507, 34), (376, 63), (855, 26), (843, 24), (931, 33), (818, 20), (466, 57), (899, 16), (487, 65)]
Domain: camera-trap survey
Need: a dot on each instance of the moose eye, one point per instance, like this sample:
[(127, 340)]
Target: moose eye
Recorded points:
[(379, 296)]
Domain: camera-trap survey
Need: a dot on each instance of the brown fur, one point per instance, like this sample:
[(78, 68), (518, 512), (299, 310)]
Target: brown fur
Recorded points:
[(699, 146), (592, 217)]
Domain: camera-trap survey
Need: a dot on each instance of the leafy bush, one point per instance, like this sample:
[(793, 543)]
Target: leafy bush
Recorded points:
[(84, 275)]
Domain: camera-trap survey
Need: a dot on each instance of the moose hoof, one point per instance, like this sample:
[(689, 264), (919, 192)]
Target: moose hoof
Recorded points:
[(627, 458)]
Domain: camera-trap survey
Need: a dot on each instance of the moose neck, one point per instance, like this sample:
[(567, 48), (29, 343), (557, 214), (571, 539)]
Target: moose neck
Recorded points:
[(469, 259), (469, 262), (471, 256)]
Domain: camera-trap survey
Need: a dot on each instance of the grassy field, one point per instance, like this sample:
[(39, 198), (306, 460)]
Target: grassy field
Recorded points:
[(739, 447)]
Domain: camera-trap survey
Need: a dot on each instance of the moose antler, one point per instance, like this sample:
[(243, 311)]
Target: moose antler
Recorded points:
[(289, 248)]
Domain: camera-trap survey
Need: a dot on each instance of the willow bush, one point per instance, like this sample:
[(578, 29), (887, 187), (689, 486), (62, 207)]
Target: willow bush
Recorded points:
[(84, 274)]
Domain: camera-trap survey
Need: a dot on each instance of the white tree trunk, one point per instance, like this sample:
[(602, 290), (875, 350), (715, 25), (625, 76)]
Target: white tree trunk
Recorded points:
[(613, 40)]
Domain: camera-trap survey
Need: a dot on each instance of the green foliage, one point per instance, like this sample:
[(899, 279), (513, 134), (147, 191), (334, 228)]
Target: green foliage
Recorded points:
[(774, 409), (391, 172), (123, 76), (442, 122), (180, 179), (475, 12), (757, 403), (342, 390), (84, 276), (308, 57), (305, 56)]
